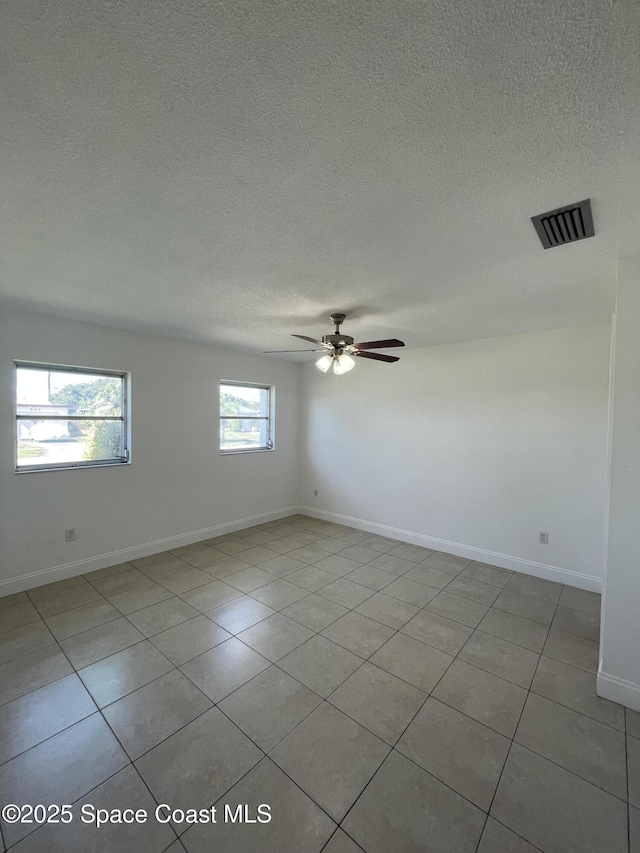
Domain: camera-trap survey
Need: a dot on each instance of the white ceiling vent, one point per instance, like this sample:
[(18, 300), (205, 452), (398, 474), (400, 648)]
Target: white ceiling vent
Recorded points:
[(564, 225)]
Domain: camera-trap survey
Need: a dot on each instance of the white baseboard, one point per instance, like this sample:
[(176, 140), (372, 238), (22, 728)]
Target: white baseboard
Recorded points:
[(618, 690), (504, 561), (91, 564), (102, 561)]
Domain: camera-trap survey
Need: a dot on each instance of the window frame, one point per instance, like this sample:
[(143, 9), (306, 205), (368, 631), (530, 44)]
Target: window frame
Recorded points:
[(125, 418), (270, 418)]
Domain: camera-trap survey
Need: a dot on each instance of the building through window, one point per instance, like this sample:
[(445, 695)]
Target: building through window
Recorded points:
[(68, 417)]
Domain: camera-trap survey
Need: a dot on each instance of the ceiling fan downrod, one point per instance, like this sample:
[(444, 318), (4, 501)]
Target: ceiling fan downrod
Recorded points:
[(337, 340), (337, 320)]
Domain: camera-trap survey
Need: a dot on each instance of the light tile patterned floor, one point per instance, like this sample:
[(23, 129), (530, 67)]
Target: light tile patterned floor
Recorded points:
[(415, 700)]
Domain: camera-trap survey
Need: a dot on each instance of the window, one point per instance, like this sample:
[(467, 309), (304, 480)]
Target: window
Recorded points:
[(69, 417), (245, 417)]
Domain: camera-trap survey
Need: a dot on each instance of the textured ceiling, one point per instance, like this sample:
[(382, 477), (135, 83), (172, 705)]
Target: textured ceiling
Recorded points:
[(234, 171)]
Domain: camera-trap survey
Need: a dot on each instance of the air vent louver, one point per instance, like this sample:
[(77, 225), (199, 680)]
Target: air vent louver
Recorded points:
[(564, 225)]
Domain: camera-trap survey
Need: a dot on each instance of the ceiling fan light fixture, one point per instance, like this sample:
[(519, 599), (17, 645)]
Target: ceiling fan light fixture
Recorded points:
[(343, 364), (324, 363)]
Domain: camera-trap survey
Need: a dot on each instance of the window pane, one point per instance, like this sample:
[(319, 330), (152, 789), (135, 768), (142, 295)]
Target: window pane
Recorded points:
[(243, 433), (60, 441), (51, 392), (244, 401)]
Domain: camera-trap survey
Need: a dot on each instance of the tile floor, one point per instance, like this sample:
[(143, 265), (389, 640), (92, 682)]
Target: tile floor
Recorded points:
[(377, 695)]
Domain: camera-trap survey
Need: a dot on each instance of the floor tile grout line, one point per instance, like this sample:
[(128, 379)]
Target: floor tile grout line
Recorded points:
[(572, 772), (474, 628), (148, 637), (174, 595), (326, 699), (151, 748), (131, 760), (175, 841), (130, 763), (353, 609), (268, 752), (331, 837), (504, 639), (137, 643), (567, 708), (140, 686), (626, 767), (88, 575), (302, 623), (306, 793), (25, 654), (309, 593), (427, 696), (118, 574), (437, 778), (541, 654), (270, 664), (74, 672), (68, 609), (145, 582), (573, 666), (489, 607), (264, 754), (537, 849), (267, 755), (430, 695), (49, 737), (415, 764), (106, 722), (319, 634), (268, 758), (106, 621), (393, 749), (35, 689), (463, 713), (179, 594), (24, 624), (323, 698), (95, 787), (515, 731)]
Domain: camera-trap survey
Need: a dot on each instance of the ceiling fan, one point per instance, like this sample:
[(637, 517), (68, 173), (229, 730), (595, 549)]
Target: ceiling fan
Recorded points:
[(339, 349)]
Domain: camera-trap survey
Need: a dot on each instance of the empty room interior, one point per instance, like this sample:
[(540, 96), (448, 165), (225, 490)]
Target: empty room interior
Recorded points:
[(320, 426)]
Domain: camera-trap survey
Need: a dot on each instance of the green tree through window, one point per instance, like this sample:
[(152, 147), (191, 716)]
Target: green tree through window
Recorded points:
[(103, 439)]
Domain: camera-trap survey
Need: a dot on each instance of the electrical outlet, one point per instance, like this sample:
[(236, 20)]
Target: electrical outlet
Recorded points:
[(543, 538), (315, 493), (70, 534)]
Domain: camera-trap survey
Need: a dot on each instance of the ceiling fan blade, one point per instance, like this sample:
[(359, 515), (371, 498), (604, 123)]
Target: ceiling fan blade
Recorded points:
[(312, 340), (378, 356), (266, 351), (391, 342)]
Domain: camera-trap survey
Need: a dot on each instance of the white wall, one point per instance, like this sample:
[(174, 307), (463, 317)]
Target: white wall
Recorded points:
[(619, 675), (177, 484), (472, 448)]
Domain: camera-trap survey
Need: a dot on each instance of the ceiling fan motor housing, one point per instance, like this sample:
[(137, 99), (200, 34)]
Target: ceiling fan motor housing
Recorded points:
[(337, 340)]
